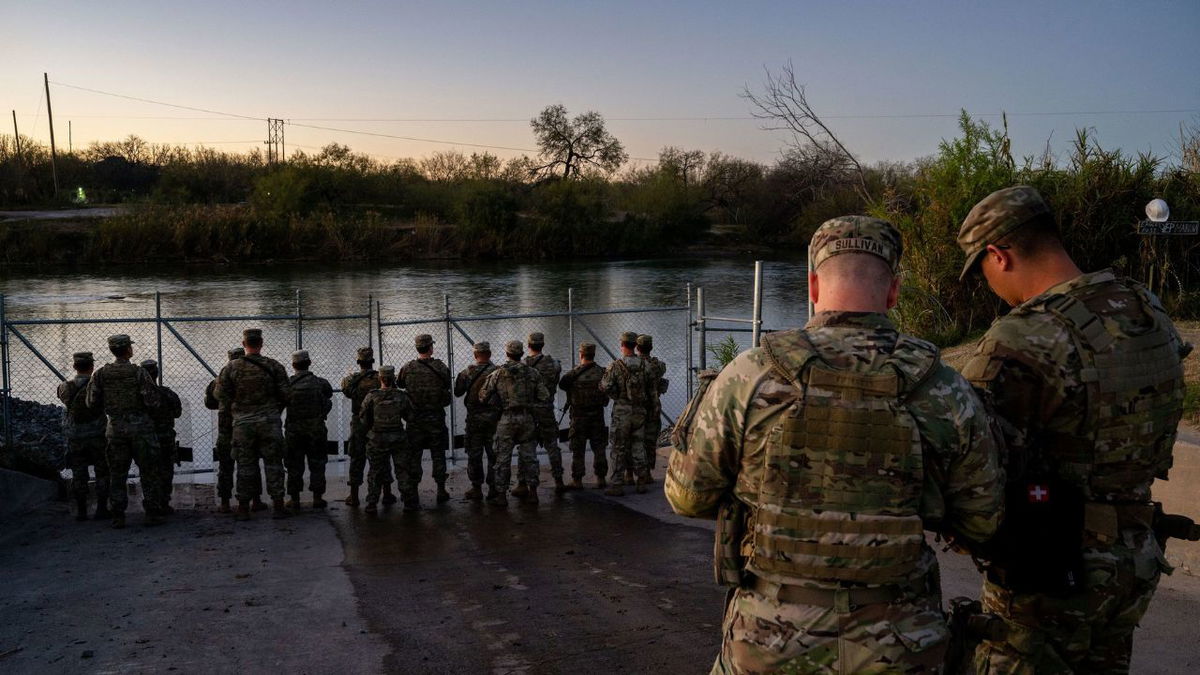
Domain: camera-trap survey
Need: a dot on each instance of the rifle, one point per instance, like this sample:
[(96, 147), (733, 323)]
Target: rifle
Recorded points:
[(1173, 526), (970, 625)]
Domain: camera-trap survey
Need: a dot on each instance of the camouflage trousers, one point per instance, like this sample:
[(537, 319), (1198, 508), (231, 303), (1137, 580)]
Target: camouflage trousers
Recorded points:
[(547, 437), (627, 449), (129, 441), (383, 449), (85, 452), (306, 445), (226, 466), (167, 455), (516, 429), (427, 429), (253, 441), (588, 428), (763, 635), (356, 448), (480, 440), (650, 432), (1088, 632)]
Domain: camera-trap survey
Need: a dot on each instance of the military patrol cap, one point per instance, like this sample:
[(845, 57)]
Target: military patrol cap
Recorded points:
[(83, 357), (118, 341), (995, 217), (424, 340), (236, 353), (366, 354), (252, 333), (536, 339), (587, 349), (387, 372), (300, 355), (514, 348), (856, 234), (149, 363), (629, 336), (645, 341), (483, 348)]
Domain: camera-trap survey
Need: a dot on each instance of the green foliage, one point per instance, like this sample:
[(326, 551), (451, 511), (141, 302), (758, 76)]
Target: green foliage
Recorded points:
[(724, 351), (281, 193)]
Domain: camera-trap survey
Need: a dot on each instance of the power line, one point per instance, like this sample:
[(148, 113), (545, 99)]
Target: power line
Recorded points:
[(146, 100), (410, 138)]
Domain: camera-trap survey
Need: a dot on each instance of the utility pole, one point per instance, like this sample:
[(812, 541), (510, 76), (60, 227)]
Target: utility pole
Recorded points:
[(53, 152), (20, 159), (70, 139), (275, 147)]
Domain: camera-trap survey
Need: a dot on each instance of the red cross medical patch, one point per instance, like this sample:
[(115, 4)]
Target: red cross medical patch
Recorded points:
[(1038, 493)]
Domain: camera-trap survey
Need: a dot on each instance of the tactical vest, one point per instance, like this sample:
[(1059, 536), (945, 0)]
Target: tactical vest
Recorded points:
[(844, 468), (388, 412), (585, 393), (122, 390), (655, 370), (78, 413), (255, 386), (471, 400), (307, 398), (358, 385), (426, 384), (516, 386), (169, 409), (635, 381), (683, 425), (1134, 388), (547, 368)]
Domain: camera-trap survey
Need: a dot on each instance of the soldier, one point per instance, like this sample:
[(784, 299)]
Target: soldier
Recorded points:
[(627, 382), (519, 389), (255, 388), (223, 452), (586, 402), (127, 395), (384, 414), (543, 414), (355, 387), (310, 398), (482, 417), (659, 383), (84, 429), (1085, 371), (824, 454), (164, 416), (427, 381)]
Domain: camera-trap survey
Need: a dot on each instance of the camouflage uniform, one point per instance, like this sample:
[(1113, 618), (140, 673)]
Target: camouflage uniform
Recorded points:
[(627, 382), (170, 409), (127, 395), (427, 381), (519, 388), (543, 414), (482, 418), (355, 387), (1088, 381), (659, 383), (223, 451), (256, 389), (834, 447), (310, 398), (587, 402), (84, 429), (384, 414)]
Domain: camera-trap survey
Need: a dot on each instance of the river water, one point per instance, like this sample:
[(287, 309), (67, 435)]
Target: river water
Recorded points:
[(403, 292)]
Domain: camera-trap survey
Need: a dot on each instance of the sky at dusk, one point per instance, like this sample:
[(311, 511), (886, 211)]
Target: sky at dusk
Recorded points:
[(889, 77)]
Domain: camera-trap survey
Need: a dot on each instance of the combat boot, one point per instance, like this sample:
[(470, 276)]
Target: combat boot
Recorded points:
[(521, 490), (168, 510), (412, 503), (319, 503), (278, 509), (81, 508), (118, 520), (442, 495), (155, 518), (576, 484), (388, 497), (532, 497), (224, 507), (352, 500), (243, 511), (102, 510), (474, 494), (629, 475), (294, 502), (371, 507), (615, 491), (601, 483), (498, 499), (256, 504), (559, 488)]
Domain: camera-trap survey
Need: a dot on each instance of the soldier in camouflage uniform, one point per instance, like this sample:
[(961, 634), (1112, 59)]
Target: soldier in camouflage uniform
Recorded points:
[(255, 388), (1085, 371), (84, 429), (547, 426), (310, 398), (586, 402), (628, 382), (519, 389), (355, 387), (128, 395), (169, 410), (825, 453), (384, 414), (658, 378), (223, 452), (482, 417), (427, 381)]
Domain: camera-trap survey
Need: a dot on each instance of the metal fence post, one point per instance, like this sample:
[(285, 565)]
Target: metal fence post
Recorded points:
[(5, 411), (756, 318), (379, 329), (370, 327), (450, 366), (703, 359), (808, 270), (299, 321), (687, 329), (158, 324), (571, 322)]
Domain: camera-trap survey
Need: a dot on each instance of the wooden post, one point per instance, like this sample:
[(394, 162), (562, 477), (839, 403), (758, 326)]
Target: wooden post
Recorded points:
[(53, 152)]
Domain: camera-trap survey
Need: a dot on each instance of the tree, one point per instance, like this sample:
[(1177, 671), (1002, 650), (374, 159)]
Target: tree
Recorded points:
[(683, 164), (575, 145)]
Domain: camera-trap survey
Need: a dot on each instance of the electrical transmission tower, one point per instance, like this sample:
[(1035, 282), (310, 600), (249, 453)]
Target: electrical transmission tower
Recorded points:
[(275, 145)]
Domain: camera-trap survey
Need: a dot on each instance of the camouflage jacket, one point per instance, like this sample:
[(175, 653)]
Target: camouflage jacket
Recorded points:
[(224, 419), (467, 386), (427, 382), (357, 385), (658, 381), (386, 411), (725, 448), (628, 381), (582, 384), (309, 397), (550, 370), (167, 412), (255, 387), (123, 388), (79, 421), (1029, 367), (517, 386)]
